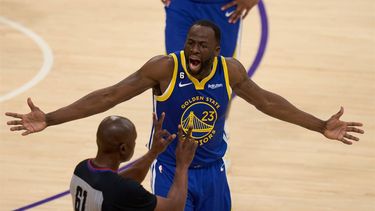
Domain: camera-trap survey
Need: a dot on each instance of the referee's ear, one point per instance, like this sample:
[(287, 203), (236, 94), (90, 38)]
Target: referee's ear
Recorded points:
[(126, 152), (123, 151), (122, 148)]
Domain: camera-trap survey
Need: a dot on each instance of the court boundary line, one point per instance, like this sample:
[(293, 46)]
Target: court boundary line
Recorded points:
[(47, 59)]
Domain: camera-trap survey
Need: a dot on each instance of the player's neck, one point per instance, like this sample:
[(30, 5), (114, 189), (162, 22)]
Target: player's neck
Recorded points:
[(202, 74)]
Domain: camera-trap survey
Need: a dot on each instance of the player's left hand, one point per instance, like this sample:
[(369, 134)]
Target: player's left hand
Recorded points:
[(338, 130), (162, 138), (242, 9)]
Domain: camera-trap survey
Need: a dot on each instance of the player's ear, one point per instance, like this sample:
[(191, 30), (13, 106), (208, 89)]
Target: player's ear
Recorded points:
[(217, 50)]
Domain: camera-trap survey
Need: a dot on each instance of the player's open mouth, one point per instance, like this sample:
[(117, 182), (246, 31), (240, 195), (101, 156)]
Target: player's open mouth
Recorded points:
[(194, 64)]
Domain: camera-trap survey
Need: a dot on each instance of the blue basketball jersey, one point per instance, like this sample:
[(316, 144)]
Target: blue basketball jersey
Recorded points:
[(202, 104)]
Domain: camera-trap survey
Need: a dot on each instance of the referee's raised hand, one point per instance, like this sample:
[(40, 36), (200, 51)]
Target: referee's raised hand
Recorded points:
[(186, 147), (162, 138)]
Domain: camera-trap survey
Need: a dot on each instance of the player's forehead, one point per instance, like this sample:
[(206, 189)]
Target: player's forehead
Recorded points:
[(201, 34)]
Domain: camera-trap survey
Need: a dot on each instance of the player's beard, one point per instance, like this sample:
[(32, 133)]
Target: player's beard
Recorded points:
[(204, 70)]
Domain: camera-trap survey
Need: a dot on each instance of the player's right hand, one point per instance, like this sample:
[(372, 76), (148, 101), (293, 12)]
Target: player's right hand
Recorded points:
[(32, 122), (186, 147)]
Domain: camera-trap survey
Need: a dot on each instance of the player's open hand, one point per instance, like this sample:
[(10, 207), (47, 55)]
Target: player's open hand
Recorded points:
[(242, 9), (339, 130), (32, 122), (162, 138), (186, 147)]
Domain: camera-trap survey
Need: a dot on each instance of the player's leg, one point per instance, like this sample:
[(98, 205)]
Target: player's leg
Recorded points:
[(214, 193), (179, 18), (162, 180)]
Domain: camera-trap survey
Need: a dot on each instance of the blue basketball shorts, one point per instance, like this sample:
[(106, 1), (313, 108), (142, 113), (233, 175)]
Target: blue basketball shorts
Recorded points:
[(182, 14), (208, 188)]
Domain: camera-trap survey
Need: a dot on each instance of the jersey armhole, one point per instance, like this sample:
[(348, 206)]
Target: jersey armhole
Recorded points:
[(171, 85), (226, 76)]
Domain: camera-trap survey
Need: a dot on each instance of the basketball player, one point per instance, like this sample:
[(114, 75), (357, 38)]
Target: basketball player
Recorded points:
[(193, 86), (97, 185), (227, 14)]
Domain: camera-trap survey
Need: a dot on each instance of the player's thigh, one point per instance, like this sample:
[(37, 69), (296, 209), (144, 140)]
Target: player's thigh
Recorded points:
[(179, 18), (162, 178), (215, 193)]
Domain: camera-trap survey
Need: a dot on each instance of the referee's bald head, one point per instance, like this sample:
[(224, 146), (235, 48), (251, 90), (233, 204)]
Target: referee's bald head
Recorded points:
[(116, 134)]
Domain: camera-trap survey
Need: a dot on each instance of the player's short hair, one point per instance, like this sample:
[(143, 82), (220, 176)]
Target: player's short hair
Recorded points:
[(211, 25)]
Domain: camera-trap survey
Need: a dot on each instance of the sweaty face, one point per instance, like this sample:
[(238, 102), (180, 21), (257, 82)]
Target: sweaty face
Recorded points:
[(200, 49)]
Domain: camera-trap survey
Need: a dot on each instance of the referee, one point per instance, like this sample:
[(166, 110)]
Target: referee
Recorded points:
[(97, 185)]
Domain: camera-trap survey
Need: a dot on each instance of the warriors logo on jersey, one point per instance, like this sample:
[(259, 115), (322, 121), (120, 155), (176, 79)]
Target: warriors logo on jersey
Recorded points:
[(201, 116)]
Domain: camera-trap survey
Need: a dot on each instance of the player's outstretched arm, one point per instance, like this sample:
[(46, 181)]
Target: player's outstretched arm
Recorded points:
[(278, 107), (148, 76), (162, 138), (177, 195)]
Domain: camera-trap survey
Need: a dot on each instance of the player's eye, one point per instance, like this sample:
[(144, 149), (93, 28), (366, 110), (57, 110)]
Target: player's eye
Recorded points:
[(203, 45)]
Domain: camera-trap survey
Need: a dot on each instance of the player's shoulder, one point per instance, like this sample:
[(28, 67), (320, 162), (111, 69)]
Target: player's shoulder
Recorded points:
[(159, 67), (232, 63), (162, 60), (236, 71), (234, 66)]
